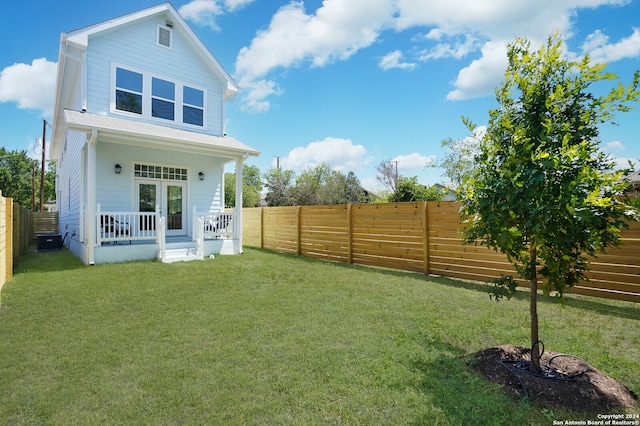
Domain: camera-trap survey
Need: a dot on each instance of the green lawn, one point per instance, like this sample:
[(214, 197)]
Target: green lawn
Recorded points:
[(265, 338)]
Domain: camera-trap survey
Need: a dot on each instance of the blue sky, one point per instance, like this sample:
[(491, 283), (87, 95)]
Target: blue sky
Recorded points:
[(347, 82)]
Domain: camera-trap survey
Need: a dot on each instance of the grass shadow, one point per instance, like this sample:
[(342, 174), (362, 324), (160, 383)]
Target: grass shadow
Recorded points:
[(627, 310), (47, 261), (456, 393)]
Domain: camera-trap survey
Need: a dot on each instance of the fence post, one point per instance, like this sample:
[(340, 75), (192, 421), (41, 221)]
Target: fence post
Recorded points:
[(349, 234), (4, 259), (425, 239), (9, 239), (298, 232), (262, 227)]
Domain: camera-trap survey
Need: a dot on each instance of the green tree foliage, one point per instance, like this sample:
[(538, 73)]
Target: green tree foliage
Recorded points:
[(410, 190), (322, 185), (279, 187), (251, 187), (459, 161), (16, 173), (542, 192)]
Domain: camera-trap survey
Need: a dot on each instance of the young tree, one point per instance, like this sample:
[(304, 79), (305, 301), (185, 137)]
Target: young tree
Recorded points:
[(542, 192)]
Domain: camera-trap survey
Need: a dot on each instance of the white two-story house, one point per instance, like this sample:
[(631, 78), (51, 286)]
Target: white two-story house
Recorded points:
[(140, 144)]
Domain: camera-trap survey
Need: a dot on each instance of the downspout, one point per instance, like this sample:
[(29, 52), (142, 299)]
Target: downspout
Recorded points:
[(91, 195)]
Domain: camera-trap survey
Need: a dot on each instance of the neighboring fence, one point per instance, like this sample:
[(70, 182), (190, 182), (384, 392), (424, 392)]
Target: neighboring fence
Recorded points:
[(6, 238), (15, 235), (18, 228), (45, 223), (421, 237)]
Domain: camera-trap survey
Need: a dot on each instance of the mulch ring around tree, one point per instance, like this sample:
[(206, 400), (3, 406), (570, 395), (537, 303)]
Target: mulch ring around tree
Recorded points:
[(587, 392)]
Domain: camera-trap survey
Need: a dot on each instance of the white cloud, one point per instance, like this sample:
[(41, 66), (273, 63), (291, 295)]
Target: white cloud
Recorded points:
[(256, 92), (205, 12), (456, 48), (614, 146), (30, 86), (336, 31), (482, 76), (623, 162), (454, 29), (394, 60), (601, 51), (413, 161), (341, 154)]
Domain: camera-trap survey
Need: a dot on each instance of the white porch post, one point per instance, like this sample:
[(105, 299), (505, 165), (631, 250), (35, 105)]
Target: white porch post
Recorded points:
[(238, 216), (91, 195)]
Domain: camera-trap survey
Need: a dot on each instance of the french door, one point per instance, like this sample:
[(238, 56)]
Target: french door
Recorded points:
[(172, 199)]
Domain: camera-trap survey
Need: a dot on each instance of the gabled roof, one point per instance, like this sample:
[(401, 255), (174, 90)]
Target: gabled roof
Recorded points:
[(81, 37), (113, 129), (71, 61)]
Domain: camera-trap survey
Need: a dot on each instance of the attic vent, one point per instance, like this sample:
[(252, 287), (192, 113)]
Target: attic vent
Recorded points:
[(164, 36)]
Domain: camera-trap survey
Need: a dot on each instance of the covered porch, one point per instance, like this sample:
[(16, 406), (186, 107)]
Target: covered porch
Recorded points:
[(149, 192), (127, 236)]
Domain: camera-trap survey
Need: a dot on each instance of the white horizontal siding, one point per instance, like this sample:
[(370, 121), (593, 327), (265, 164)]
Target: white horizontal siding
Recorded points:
[(68, 183), (134, 45), (116, 192)]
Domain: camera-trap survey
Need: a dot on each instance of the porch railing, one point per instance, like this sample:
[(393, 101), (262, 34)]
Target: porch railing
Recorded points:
[(217, 224), (126, 227)]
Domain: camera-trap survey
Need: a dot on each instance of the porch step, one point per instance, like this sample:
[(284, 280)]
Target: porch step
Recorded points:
[(179, 255)]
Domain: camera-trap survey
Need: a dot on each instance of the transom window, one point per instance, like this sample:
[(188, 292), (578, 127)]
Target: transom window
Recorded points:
[(159, 98), (152, 171)]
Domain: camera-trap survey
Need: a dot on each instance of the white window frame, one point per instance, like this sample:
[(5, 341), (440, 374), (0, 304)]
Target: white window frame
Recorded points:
[(147, 97), (163, 99), (170, 30)]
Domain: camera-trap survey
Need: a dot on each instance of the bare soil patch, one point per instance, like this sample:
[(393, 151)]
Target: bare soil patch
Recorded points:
[(591, 391)]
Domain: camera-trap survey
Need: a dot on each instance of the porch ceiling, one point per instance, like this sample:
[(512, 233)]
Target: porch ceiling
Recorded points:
[(138, 133)]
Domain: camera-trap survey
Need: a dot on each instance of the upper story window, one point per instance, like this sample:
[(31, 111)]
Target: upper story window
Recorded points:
[(165, 36), (163, 96), (193, 106), (157, 98), (128, 91)]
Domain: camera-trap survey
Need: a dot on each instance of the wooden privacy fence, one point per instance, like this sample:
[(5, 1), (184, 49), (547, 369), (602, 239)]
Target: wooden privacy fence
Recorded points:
[(422, 237), (18, 227)]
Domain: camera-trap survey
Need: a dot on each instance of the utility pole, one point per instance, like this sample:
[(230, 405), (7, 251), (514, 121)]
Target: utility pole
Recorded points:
[(44, 143), (396, 176), (33, 186)]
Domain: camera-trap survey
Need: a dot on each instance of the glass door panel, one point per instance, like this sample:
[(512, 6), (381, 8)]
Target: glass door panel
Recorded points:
[(174, 205), (147, 202), (170, 197)]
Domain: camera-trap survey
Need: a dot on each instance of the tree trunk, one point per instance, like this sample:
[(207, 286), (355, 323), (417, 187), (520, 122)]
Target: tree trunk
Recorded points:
[(533, 309)]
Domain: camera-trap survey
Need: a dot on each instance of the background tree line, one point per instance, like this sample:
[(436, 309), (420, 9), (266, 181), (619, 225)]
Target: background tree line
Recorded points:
[(323, 185), (20, 178)]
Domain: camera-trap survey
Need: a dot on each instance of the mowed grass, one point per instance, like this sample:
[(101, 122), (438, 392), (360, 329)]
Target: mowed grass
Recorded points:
[(264, 338)]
